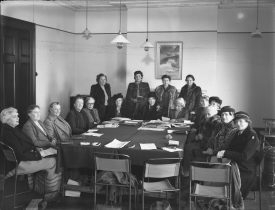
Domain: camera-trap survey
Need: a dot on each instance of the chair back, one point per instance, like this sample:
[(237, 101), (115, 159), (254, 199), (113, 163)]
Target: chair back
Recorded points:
[(8, 152), (221, 175), (112, 162), (161, 168)]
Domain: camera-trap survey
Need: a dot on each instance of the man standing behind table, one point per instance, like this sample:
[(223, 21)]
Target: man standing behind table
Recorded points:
[(136, 96), (166, 95)]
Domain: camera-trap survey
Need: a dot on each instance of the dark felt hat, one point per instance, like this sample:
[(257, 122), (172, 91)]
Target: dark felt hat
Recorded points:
[(242, 115), (116, 96), (216, 99), (227, 109), (152, 95)]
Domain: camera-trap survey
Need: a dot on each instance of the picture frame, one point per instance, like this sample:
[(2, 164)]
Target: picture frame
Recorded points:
[(168, 59)]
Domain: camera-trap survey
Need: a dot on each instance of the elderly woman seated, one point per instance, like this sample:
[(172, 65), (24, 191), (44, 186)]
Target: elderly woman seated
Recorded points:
[(117, 107), (56, 127), (35, 129), (151, 110), (77, 118), (29, 158), (242, 149), (91, 112), (179, 114)]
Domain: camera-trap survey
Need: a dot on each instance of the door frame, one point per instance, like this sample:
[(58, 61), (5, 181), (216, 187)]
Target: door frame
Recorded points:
[(14, 23)]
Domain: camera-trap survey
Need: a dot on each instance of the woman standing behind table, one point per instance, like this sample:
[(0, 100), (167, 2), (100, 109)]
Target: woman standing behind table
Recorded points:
[(55, 125), (117, 108), (136, 96), (35, 129), (166, 95), (242, 149), (192, 94), (101, 92)]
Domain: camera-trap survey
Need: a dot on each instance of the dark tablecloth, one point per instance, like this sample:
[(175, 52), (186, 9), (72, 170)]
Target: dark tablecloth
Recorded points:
[(78, 156)]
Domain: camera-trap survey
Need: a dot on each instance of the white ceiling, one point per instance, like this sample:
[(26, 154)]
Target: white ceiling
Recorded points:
[(80, 5), (111, 4)]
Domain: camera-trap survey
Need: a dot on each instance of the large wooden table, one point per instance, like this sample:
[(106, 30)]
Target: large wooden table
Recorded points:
[(76, 155)]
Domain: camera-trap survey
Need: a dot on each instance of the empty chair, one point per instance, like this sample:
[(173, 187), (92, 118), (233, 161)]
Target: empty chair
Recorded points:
[(116, 163), (161, 175), (210, 180)]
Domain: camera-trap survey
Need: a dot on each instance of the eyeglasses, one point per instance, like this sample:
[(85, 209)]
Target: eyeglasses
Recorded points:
[(90, 103)]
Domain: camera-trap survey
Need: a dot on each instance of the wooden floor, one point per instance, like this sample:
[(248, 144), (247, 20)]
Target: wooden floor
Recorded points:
[(85, 202)]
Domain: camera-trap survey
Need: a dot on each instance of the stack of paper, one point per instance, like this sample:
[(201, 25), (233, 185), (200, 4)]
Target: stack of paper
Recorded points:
[(92, 130), (148, 146), (116, 144), (70, 192), (93, 134), (151, 129), (171, 149), (113, 125), (120, 118)]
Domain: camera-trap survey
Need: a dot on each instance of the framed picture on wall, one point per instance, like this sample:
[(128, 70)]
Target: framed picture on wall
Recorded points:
[(168, 59)]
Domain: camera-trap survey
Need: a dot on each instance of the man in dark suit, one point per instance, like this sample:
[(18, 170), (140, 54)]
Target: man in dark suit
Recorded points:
[(101, 92)]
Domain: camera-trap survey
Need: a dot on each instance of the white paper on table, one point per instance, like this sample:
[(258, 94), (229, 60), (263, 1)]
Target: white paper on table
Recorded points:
[(116, 144), (173, 142), (92, 130), (47, 152), (169, 149), (151, 129), (84, 143), (188, 122), (148, 146), (165, 119), (97, 134)]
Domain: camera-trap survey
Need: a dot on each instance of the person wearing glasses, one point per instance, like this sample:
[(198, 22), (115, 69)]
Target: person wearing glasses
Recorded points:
[(55, 125), (91, 112)]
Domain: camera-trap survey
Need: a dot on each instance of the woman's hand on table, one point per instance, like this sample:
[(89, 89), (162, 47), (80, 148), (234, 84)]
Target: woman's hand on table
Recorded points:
[(220, 154)]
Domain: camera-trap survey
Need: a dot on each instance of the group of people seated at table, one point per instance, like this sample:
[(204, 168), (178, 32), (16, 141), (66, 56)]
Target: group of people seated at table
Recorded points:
[(218, 131)]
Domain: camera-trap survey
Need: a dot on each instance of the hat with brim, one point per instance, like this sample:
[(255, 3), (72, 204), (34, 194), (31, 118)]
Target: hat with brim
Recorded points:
[(227, 109), (241, 115), (116, 96), (216, 99)]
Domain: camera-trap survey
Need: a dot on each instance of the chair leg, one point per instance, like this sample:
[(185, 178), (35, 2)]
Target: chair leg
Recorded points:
[(130, 195), (14, 193), (95, 196), (142, 199)]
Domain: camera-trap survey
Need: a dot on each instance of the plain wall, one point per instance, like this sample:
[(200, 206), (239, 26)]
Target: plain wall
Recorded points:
[(217, 50)]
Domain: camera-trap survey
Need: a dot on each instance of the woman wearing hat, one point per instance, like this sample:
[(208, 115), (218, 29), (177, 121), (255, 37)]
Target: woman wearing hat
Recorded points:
[(224, 133), (117, 108), (242, 149), (191, 93), (215, 101), (150, 110)]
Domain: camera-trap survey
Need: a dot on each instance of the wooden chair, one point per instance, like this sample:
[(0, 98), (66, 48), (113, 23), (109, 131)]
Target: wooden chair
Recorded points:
[(114, 163), (9, 157), (160, 170), (210, 180)]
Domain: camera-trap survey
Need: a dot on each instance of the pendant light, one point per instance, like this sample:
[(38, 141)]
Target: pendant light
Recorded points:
[(86, 33), (257, 33), (147, 45), (119, 40)]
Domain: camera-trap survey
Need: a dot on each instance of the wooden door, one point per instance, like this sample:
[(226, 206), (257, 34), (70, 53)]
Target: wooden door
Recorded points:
[(17, 73)]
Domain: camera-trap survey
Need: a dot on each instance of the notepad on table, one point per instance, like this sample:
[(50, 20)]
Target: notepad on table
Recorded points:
[(172, 149), (148, 146), (93, 134), (116, 144)]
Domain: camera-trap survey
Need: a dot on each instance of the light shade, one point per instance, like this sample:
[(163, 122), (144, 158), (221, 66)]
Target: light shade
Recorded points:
[(256, 34), (86, 33), (147, 45), (119, 40)]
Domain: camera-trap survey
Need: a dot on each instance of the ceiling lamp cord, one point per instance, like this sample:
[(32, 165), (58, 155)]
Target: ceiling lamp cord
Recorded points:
[(86, 33), (257, 33), (147, 45), (120, 40)]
